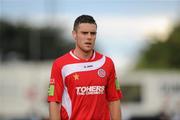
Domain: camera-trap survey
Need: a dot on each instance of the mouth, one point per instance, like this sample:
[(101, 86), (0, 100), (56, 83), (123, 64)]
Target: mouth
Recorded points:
[(88, 43)]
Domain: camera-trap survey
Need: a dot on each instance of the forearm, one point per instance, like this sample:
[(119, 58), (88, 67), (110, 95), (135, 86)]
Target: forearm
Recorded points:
[(54, 111), (115, 110)]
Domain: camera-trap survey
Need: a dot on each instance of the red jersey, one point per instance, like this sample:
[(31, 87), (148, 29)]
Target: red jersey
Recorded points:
[(83, 87)]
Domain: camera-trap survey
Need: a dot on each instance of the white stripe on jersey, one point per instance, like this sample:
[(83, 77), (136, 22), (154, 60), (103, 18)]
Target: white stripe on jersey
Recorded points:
[(66, 102), (80, 67)]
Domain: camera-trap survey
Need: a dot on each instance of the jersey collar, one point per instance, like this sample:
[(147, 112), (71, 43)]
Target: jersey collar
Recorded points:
[(74, 56)]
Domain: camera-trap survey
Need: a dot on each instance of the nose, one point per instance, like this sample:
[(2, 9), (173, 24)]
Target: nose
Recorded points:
[(89, 36)]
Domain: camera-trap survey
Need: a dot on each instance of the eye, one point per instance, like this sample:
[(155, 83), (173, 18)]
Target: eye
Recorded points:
[(93, 33), (85, 33)]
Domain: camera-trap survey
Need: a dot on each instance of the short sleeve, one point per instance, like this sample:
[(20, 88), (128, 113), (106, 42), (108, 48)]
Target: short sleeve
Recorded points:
[(56, 87), (113, 90)]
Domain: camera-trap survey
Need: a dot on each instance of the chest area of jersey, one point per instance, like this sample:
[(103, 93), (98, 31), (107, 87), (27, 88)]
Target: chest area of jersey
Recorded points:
[(96, 77)]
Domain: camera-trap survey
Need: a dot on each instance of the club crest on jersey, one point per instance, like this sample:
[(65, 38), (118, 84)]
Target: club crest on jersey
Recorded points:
[(101, 73)]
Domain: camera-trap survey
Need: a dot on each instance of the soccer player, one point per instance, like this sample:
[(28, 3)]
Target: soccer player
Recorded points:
[(83, 84)]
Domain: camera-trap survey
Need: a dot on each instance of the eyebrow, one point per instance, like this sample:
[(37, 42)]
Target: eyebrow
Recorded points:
[(88, 32)]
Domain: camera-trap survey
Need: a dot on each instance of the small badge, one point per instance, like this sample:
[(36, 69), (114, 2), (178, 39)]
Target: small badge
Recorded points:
[(101, 73), (51, 90), (117, 84), (76, 76)]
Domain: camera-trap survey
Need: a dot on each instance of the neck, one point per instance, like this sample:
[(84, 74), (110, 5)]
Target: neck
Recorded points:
[(82, 54)]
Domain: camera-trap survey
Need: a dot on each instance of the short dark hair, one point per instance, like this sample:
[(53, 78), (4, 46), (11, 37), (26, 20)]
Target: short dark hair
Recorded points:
[(83, 19)]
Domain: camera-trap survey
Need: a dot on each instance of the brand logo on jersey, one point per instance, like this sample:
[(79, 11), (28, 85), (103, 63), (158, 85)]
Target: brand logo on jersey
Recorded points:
[(76, 76), (101, 73), (88, 66), (90, 90)]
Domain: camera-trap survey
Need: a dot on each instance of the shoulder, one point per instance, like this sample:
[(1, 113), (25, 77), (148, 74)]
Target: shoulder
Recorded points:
[(108, 59), (108, 62), (62, 59)]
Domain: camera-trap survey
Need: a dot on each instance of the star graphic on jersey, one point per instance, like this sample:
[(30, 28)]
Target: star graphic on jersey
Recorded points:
[(76, 76)]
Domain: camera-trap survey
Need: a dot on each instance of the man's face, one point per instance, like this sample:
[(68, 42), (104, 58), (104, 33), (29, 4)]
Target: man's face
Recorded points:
[(85, 36)]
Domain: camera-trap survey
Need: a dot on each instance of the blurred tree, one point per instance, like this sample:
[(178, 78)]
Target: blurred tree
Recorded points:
[(162, 54), (21, 41)]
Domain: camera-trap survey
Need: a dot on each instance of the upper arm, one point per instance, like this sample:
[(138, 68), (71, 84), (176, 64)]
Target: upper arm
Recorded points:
[(56, 86), (113, 88)]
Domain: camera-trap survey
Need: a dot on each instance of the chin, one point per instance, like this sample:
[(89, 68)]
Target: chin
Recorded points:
[(87, 50)]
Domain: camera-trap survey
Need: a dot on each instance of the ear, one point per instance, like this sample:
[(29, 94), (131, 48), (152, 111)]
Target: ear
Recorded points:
[(74, 34)]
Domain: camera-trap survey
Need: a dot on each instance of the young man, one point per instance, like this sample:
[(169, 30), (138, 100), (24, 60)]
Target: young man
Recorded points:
[(83, 84)]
